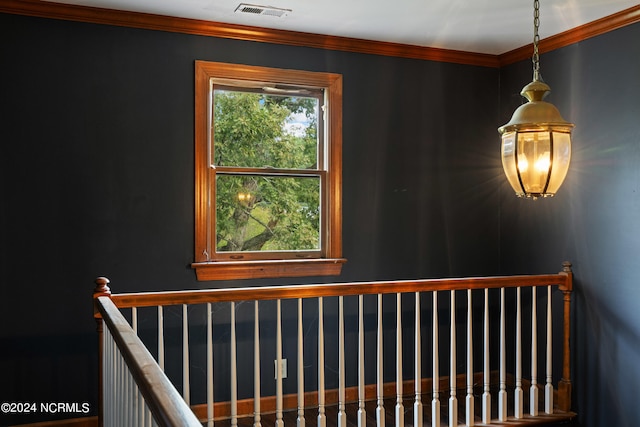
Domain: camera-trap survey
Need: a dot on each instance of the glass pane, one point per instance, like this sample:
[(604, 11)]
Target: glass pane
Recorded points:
[(262, 130), (534, 159), (267, 213), (509, 161), (561, 160)]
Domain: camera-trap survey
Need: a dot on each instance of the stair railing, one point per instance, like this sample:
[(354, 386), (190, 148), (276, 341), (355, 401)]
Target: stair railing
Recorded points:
[(486, 412)]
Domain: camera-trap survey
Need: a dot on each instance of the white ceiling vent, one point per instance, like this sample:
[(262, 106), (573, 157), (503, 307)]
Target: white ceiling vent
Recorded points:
[(262, 10)]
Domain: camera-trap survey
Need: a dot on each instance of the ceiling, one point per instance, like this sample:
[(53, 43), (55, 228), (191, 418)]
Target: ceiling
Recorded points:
[(482, 26)]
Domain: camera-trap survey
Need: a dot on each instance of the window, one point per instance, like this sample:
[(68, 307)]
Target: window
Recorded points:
[(268, 150)]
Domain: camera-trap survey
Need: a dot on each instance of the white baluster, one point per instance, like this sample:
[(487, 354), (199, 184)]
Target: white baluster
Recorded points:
[(121, 394), (518, 393), (256, 366), (107, 375), (132, 400), (160, 338), (119, 388), (486, 395), (137, 404), (129, 397), (453, 400), (533, 393), (342, 416), (279, 421), (123, 382), (140, 403), (502, 394), (134, 319), (148, 417), (322, 418), (417, 405), (234, 369), (113, 388), (399, 405), (435, 402), (380, 416), (124, 394), (128, 406), (470, 403), (548, 388), (362, 415), (113, 381), (109, 386), (185, 355), (209, 367), (300, 421), (116, 387)]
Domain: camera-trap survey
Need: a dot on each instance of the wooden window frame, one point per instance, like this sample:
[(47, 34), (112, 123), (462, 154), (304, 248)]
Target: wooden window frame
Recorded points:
[(330, 261)]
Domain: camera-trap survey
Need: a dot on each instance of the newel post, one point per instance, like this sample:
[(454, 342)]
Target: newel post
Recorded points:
[(564, 387), (101, 290)]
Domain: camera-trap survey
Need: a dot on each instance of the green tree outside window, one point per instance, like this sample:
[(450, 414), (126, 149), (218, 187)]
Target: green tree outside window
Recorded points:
[(267, 188)]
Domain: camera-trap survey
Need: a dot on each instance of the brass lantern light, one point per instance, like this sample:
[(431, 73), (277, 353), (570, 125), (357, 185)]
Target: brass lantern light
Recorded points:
[(536, 143)]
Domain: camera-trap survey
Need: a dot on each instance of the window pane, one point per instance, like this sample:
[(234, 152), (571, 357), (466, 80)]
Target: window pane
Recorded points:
[(262, 130), (267, 213)]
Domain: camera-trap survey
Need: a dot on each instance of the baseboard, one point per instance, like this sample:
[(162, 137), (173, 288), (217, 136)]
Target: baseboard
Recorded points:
[(222, 410)]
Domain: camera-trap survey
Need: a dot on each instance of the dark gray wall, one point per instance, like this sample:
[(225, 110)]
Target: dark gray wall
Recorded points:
[(594, 219), (97, 179)]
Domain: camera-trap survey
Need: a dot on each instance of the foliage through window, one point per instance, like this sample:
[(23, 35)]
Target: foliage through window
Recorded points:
[(268, 166), (267, 181)]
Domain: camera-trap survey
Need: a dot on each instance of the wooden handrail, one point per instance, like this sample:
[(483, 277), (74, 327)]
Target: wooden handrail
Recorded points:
[(166, 404), (147, 299)]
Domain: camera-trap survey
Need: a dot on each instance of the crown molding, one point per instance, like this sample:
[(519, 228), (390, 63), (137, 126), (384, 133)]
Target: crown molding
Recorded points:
[(45, 9), (574, 35), (239, 32)]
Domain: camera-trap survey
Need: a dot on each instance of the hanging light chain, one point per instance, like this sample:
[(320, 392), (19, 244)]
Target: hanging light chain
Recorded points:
[(536, 40)]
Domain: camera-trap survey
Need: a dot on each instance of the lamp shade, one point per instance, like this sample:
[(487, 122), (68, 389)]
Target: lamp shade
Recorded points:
[(536, 145)]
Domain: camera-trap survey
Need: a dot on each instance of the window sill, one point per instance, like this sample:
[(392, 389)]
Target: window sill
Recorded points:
[(230, 270)]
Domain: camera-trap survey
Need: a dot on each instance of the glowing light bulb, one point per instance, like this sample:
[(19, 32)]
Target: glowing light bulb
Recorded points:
[(543, 163), (523, 164)]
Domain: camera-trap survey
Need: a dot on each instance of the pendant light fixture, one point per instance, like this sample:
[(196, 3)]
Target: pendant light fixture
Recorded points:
[(536, 143)]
